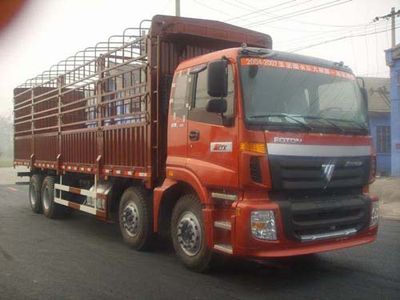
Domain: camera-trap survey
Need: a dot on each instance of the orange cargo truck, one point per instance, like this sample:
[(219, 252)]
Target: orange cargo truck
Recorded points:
[(198, 131)]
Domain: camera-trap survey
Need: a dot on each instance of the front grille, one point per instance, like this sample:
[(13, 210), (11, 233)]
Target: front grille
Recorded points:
[(324, 214), (298, 173)]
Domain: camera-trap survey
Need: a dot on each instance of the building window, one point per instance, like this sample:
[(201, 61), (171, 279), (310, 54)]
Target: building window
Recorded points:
[(383, 139)]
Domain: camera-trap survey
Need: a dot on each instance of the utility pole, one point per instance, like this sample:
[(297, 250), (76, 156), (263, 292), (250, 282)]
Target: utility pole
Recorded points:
[(178, 8), (392, 15), (393, 27)]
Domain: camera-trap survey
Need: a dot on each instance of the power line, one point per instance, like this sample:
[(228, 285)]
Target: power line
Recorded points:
[(259, 11), (238, 6), (338, 39), (298, 13), (279, 6), (210, 7), (367, 51), (312, 23), (323, 34), (242, 17), (316, 34), (272, 13), (328, 25), (354, 54), (269, 13), (376, 51), (273, 17)]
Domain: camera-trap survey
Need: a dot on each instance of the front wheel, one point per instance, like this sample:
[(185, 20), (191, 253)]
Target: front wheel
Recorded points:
[(188, 234)]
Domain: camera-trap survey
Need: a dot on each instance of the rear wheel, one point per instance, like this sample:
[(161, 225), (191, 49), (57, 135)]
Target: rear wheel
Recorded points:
[(51, 209), (188, 234), (35, 187), (135, 219)]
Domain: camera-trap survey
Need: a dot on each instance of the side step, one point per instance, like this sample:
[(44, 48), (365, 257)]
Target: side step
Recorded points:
[(88, 209), (24, 174), (224, 248), (223, 225), (95, 209)]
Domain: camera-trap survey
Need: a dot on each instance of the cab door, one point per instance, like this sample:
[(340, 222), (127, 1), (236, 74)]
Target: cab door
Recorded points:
[(212, 140), (177, 119)]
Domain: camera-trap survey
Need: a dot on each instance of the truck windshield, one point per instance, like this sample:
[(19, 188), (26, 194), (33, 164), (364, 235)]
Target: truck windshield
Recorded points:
[(280, 95)]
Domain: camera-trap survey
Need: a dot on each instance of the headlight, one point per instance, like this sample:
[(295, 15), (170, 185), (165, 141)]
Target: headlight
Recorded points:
[(263, 225), (374, 214)]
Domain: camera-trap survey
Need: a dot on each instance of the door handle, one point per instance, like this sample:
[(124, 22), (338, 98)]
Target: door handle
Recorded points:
[(194, 135)]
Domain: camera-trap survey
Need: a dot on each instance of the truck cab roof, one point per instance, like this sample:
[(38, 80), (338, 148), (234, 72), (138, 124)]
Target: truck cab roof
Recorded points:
[(293, 57), (264, 53)]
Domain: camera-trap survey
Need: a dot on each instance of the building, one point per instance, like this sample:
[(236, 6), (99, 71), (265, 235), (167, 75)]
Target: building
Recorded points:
[(393, 61), (379, 106)]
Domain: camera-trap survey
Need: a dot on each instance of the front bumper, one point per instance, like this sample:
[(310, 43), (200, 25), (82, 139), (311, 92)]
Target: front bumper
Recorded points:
[(244, 244)]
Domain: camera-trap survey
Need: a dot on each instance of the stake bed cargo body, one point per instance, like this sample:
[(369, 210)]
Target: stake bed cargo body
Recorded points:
[(104, 110)]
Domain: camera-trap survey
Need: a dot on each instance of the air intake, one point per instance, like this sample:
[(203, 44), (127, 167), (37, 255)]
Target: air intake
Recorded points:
[(255, 169)]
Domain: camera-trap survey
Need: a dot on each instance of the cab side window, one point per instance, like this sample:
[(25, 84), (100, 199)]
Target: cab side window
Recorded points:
[(180, 94), (200, 98)]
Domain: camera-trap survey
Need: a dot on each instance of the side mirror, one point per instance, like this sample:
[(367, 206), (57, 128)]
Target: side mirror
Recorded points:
[(364, 94), (218, 106), (217, 81), (361, 82)]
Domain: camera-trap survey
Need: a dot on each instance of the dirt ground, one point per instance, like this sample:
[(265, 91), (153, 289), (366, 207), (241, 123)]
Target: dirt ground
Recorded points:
[(386, 188)]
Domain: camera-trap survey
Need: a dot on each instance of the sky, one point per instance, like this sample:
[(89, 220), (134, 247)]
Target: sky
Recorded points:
[(47, 31)]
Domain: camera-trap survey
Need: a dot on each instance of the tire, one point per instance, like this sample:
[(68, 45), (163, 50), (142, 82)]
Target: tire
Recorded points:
[(51, 209), (35, 189), (187, 220), (135, 219)]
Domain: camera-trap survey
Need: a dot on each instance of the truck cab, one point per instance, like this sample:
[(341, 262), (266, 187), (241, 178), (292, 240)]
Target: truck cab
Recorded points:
[(276, 148)]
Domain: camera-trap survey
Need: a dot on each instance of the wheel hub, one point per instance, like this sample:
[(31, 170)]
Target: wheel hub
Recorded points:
[(32, 195), (130, 219), (46, 199), (189, 234)]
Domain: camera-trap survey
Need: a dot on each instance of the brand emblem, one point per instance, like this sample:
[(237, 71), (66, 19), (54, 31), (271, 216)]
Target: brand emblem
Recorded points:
[(287, 140), (328, 171), (221, 147), (353, 163)]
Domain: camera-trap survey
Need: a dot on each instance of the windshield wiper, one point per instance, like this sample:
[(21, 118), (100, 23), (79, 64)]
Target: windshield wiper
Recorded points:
[(333, 124), (352, 122), (302, 124)]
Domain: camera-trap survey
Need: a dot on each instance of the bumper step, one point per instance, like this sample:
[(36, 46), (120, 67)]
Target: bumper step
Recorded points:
[(224, 248), (223, 225), (328, 235)]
